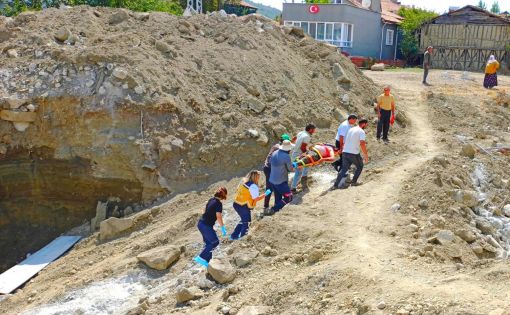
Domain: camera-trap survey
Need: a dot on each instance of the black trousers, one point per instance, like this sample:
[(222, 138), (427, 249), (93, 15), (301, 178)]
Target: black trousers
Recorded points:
[(383, 125), (267, 173)]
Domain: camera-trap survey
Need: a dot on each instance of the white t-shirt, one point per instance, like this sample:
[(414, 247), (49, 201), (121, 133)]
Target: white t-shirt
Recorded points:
[(354, 136), (302, 137), (342, 130), (254, 191)]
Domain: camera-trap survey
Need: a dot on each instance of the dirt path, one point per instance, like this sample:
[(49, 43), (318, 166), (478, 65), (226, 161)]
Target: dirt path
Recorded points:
[(365, 218)]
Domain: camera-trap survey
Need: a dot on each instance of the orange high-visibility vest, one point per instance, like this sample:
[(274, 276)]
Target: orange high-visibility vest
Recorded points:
[(243, 196)]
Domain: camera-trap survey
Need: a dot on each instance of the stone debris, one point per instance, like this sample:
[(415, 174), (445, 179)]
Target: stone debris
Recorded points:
[(378, 67), (221, 270), (62, 34), (255, 310), (113, 227), (244, 258), (160, 258), (185, 294), (468, 150)]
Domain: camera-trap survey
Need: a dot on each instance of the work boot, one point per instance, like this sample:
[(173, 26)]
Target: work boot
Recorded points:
[(304, 182), (268, 212)]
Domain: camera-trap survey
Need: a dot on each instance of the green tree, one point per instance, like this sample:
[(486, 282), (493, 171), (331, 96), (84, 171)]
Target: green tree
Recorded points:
[(14, 7), (413, 19), (318, 1), (482, 5), (495, 7)]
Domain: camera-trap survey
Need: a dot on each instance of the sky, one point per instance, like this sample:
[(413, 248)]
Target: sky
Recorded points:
[(440, 6)]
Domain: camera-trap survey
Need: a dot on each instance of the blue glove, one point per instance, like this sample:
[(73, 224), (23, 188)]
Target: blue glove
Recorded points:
[(294, 164), (268, 192), (223, 231)]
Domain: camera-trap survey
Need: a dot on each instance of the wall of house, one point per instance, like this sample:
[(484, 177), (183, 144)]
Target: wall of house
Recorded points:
[(388, 51), (366, 24)]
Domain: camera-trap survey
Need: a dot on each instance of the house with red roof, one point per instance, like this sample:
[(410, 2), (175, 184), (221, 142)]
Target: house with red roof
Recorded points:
[(368, 28)]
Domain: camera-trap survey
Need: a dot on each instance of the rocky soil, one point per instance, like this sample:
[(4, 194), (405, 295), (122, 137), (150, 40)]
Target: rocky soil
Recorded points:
[(427, 232), (402, 243), (133, 108)]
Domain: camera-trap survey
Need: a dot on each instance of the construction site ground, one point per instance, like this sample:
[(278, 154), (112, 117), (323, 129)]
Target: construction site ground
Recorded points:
[(330, 252)]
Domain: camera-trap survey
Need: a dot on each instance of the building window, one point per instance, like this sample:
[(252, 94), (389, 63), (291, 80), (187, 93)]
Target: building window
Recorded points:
[(338, 34), (389, 37)]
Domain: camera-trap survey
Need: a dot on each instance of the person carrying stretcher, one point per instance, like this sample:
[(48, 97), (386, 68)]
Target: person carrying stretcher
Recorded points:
[(317, 154)]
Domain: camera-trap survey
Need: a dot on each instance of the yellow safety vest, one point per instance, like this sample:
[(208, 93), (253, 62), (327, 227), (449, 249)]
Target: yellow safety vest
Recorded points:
[(243, 196)]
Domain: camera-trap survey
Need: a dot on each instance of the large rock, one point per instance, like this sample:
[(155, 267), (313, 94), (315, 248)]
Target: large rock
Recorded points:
[(444, 237), (221, 270), (160, 258), (101, 209), (118, 17), (255, 105), (468, 150), (62, 34), (339, 74), (467, 197), (467, 235), (378, 67), (255, 310), (114, 227), (187, 294), (485, 226), (437, 221), (506, 210), (245, 258)]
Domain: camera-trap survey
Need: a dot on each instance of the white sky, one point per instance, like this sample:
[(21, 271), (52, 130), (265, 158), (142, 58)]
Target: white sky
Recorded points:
[(440, 6)]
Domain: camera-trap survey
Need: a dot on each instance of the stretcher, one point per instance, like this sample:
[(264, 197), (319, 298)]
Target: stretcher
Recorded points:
[(317, 154)]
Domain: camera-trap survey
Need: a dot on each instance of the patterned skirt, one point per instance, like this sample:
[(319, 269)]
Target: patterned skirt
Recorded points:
[(491, 80)]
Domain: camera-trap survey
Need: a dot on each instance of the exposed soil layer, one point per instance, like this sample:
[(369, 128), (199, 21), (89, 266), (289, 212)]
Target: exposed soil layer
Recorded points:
[(153, 104), (330, 252)]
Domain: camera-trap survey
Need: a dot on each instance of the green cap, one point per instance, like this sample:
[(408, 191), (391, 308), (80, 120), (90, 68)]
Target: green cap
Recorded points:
[(285, 137)]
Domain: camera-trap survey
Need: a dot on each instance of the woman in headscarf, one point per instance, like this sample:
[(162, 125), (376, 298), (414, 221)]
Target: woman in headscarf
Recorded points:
[(491, 77)]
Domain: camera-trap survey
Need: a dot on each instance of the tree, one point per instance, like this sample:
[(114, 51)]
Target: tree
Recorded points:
[(14, 7), (482, 5), (413, 19), (318, 1), (495, 7)]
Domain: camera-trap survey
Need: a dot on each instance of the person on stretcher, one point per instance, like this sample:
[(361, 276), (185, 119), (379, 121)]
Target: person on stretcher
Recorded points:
[(317, 154)]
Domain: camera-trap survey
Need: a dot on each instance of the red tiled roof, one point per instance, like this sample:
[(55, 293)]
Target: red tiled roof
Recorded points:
[(389, 17), (389, 10)]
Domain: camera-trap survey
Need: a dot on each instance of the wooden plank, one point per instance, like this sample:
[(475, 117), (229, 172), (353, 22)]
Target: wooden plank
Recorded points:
[(16, 276)]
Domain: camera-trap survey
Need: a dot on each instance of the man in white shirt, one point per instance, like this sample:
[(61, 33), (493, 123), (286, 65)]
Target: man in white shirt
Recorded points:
[(303, 141), (343, 129), (355, 144), (340, 137)]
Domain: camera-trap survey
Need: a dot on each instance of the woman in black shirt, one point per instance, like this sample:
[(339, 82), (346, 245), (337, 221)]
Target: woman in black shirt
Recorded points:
[(211, 214)]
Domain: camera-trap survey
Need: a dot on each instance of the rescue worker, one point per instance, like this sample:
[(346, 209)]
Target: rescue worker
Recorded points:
[(212, 213), (267, 168), (246, 199), (303, 140), (281, 165)]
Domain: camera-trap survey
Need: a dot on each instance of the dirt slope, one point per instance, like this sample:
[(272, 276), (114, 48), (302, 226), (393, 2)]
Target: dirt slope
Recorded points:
[(133, 108), (328, 253)]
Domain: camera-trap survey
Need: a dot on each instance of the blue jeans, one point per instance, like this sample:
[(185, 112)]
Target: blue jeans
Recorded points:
[(347, 160), (210, 239), (243, 226), (297, 176), (282, 196)]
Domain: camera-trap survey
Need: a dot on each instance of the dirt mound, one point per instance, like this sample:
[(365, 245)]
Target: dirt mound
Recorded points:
[(143, 105)]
